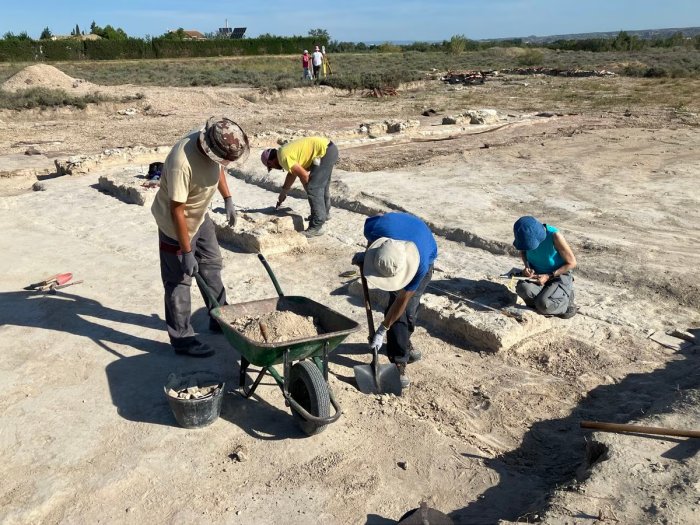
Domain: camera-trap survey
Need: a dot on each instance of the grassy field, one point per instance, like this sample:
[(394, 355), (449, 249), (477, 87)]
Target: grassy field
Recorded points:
[(285, 71), (676, 72)]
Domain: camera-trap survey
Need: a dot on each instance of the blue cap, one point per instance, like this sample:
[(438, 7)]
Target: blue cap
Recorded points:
[(529, 233)]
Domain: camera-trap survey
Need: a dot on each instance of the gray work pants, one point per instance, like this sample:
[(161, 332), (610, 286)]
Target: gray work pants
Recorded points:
[(177, 284), (318, 189), (551, 299)]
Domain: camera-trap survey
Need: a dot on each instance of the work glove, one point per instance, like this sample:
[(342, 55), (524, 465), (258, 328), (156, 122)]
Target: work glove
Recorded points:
[(188, 263), (281, 199), (358, 259), (230, 211), (378, 339)]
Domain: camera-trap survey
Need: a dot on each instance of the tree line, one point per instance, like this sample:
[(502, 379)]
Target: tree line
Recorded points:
[(114, 43)]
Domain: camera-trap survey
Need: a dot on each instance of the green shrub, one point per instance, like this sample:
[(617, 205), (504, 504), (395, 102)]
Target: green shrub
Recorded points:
[(457, 44), (388, 47), (46, 98), (656, 72), (531, 57)]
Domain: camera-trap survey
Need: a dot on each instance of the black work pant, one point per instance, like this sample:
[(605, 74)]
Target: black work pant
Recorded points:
[(398, 341), (177, 284), (319, 187)]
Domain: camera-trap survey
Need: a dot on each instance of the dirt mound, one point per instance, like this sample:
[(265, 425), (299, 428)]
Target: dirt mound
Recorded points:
[(276, 327), (43, 75)]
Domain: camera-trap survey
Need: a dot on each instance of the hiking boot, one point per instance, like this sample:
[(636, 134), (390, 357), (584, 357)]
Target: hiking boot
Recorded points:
[(194, 348), (403, 377), (315, 231)]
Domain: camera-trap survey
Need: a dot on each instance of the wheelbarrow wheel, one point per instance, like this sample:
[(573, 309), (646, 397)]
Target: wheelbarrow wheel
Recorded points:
[(308, 388)]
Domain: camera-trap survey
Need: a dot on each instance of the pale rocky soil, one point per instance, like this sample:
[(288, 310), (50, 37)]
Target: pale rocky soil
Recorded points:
[(279, 326), (487, 437)]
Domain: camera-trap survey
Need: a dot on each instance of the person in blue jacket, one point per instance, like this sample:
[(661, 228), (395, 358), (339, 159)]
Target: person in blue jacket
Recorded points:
[(399, 259), (548, 260)]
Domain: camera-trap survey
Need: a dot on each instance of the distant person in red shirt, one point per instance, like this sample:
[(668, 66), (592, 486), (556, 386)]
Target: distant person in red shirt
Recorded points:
[(306, 64)]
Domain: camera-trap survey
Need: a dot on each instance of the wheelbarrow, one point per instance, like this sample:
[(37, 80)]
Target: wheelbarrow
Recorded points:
[(304, 379)]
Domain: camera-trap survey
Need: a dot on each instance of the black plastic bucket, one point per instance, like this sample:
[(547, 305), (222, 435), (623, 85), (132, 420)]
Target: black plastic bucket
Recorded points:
[(195, 413)]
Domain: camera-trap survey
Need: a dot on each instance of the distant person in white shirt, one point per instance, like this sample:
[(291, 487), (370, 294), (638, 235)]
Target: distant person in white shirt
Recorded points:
[(317, 59)]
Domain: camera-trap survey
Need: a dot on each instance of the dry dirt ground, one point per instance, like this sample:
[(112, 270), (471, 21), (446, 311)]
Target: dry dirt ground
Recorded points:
[(487, 437)]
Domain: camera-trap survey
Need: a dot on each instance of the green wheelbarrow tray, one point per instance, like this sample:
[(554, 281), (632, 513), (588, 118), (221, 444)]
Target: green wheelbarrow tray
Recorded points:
[(336, 328), (308, 383)]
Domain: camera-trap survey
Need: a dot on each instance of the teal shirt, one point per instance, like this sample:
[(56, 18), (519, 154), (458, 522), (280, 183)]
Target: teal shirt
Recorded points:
[(545, 258)]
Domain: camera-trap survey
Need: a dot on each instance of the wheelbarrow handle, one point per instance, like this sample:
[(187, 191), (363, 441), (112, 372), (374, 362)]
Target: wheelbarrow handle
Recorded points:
[(271, 274), (207, 290), (316, 419)]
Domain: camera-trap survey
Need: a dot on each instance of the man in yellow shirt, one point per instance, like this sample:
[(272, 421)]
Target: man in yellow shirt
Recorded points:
[(192, 172), (312, 160)]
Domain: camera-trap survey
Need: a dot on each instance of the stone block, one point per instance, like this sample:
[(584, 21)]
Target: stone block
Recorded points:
[(482, 116), (483, 330), (129, 185), (262, 233), (376, 128), (81, 164), (454, 119), (401, 126)]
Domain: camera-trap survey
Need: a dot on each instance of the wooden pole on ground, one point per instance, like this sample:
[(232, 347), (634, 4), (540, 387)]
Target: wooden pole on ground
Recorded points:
[(639, 429)]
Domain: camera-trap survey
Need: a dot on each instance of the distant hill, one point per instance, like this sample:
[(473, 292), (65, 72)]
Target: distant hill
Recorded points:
[(642, 33)]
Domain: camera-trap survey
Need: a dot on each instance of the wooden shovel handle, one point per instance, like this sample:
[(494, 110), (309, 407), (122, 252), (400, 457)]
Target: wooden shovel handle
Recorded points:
[(368, 304), (639, 429)]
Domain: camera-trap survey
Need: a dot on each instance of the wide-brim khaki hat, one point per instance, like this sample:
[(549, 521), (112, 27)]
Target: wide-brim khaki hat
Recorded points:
[(224, 141), (390, 264)]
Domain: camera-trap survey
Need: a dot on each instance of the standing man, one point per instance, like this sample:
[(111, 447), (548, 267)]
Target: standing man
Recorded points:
[(306, 65), (548, 260), (317, 62), (312, 160), (400, 260), (193, 171)]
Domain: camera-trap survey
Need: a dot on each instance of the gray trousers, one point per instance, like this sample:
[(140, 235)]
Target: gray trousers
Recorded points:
[(177, 284), (318, 189), (551, 299)]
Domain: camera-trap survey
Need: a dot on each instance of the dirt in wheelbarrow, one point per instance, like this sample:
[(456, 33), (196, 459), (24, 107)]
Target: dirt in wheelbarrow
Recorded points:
[(276, 327)]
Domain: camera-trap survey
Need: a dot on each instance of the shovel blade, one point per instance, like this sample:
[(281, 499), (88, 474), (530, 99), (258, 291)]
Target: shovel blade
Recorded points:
[(388, 380)]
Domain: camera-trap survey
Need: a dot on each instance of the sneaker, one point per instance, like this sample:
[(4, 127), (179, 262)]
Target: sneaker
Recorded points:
[(571, 311), (414, 355), (403, 377), (194, 349), (315, 231)]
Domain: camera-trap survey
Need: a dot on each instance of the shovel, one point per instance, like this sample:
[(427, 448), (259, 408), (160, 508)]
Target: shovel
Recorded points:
[(375, 378)]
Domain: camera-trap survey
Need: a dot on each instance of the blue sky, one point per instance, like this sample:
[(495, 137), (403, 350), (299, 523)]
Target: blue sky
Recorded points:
[(354, 20)]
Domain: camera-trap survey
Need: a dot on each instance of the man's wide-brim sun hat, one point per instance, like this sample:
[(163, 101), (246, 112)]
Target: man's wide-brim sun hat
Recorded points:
[(224, 141), (529, 233), (390, 264)]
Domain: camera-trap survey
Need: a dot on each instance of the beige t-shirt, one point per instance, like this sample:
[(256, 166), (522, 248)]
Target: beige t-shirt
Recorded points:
[(189, 176)]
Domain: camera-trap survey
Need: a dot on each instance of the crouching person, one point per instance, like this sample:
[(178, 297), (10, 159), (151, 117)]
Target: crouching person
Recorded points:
[(399, 259), (548, 260), (192, 172), (311, 159)]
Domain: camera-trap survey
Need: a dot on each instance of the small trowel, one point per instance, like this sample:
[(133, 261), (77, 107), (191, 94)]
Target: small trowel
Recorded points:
[(375, 378)]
